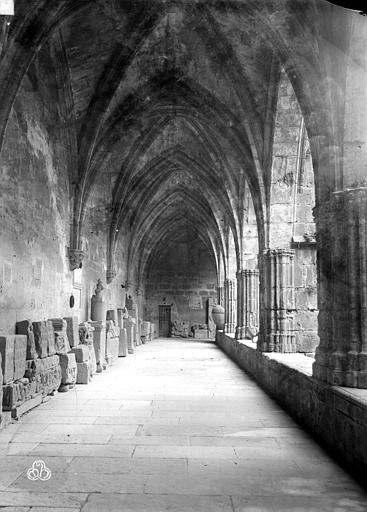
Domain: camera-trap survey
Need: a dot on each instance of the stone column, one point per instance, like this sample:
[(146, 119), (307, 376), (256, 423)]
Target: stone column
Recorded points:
[(277, 301), (247, 303), (221, 295), (341, 358), (229, 306)]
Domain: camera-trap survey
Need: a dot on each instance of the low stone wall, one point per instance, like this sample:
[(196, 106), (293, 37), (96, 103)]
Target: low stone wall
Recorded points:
[(336, 416)]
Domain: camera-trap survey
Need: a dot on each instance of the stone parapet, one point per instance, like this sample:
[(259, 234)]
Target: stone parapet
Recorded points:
[(335, 415)]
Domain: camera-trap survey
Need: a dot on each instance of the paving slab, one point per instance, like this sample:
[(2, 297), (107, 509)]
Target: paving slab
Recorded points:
[(177, 427)]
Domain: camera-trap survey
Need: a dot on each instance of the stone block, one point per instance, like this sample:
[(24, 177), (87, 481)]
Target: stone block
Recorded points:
[(153, 333), (120, 317), (201, 334), (46, 373), (83, 373), (16, 393), (114, 349), (308, 341), (85, 334), (68, 369), (99, 344), (72, 330), (129, 326), (82, 353), (7, 358), (123, 343), (41, 338), (51, 349), (1, 389), (92, 361), (20, 353), (145, 329), (306, 320), (112, 315), (26, 327)]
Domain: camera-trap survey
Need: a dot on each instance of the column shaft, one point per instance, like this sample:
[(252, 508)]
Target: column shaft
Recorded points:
[(247, 303), (341, 358), (229, 306), (277, 301)]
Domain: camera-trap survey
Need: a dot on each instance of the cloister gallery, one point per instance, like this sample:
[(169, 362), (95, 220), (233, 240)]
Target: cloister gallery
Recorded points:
[(178, 174)]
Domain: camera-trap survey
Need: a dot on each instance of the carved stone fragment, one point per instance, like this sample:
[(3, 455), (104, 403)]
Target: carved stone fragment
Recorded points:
[(26, 327), (41, 338)]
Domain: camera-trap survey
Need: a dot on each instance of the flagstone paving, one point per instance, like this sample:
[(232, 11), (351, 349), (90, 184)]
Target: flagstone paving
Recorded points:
[(175, 427)]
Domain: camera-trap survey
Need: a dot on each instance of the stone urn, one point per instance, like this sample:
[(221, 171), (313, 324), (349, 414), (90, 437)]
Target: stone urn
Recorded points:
[(98, 305), (218, 317)]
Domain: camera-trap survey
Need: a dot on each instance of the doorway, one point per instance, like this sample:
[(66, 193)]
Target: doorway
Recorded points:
[(164, 321)]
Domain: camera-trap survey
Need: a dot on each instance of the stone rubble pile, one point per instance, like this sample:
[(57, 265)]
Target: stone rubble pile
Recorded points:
[(53, 355)]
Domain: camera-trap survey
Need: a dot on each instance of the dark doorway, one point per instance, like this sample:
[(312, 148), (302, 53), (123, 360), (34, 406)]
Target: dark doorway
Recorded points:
[(164, 321)]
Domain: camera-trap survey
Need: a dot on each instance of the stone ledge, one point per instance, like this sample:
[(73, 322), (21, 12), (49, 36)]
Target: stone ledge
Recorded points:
[(336, 416)]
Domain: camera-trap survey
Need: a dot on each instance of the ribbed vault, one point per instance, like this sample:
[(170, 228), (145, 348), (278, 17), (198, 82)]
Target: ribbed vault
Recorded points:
[(168, 111)]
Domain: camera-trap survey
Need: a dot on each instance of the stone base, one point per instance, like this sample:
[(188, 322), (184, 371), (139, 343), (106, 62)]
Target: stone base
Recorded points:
[(68, 369), (83, 373), (201, 334), (336, 415), (283, 342), (17, 412), (335, 377), (113, 349), (81, 353), (123, 343)]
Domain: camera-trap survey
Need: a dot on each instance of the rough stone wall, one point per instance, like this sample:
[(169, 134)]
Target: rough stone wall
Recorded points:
[(183, 277), (34, 208), (35, 280), (335, 415)]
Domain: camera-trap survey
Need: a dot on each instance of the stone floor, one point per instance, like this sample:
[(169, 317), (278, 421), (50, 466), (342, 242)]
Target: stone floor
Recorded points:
[(176, 427)]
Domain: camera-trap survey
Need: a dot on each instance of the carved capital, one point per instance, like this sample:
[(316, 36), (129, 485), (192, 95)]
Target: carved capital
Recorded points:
[(110, 275), (76, 257)]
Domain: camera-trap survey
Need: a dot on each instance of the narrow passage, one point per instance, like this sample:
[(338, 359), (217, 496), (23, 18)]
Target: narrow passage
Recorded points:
[(176, 427)]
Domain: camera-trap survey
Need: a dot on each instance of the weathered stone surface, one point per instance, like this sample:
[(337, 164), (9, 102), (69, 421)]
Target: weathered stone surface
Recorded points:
[(99, 343), (41, 338), (130, 327), (26, 327), (62, 344), (145, 332), (83, 373), (51, 338), (45, 372), (81, 353), (1, 389), (20, 352), (7, 358), (18, 392), (335, 415), (112, 315), (86, 333), (72, 330), (123, 350), (68, 369)]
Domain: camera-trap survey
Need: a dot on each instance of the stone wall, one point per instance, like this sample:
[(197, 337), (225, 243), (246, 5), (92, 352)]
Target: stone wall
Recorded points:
[(336, 416), (305, 294), (35, 215), (34, 208), (185, 278)]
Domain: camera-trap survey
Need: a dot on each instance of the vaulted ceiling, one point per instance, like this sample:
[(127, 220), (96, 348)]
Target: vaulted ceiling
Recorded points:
[(169, 105)]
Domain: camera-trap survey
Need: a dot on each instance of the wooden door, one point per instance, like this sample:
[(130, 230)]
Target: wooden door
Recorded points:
[(164, 321)]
